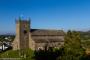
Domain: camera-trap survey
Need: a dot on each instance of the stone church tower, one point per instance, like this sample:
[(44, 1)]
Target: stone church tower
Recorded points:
[(22, 35)]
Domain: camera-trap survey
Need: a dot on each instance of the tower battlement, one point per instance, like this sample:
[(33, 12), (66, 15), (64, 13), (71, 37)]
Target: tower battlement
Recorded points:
[(24, 21)]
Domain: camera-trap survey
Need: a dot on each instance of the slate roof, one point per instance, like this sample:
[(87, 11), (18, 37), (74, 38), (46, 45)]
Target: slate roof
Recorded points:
[(50, 41), (44, 32)]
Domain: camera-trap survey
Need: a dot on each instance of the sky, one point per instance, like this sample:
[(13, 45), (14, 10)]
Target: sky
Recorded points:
[(45, 14)]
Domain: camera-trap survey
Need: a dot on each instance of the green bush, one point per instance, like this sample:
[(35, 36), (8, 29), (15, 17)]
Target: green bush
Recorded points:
[(23, 54)]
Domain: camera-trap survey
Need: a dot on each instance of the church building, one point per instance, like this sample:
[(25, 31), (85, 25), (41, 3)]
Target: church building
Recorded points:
[(36, 38)]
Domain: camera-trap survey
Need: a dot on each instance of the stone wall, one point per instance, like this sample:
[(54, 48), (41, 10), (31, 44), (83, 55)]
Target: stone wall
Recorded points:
[(49, 41)]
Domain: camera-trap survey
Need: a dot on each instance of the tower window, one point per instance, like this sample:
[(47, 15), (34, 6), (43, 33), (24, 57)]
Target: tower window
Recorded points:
[(25, 32)]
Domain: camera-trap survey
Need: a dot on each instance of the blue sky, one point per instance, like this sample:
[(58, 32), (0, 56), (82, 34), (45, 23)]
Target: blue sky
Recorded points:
[(46, 14)]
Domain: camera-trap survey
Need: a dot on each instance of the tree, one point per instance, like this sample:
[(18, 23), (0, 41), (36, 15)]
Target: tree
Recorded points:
[(72, 46)]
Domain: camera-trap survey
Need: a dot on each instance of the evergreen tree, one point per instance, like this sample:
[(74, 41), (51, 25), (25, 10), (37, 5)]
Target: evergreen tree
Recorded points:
[(72, 46)]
